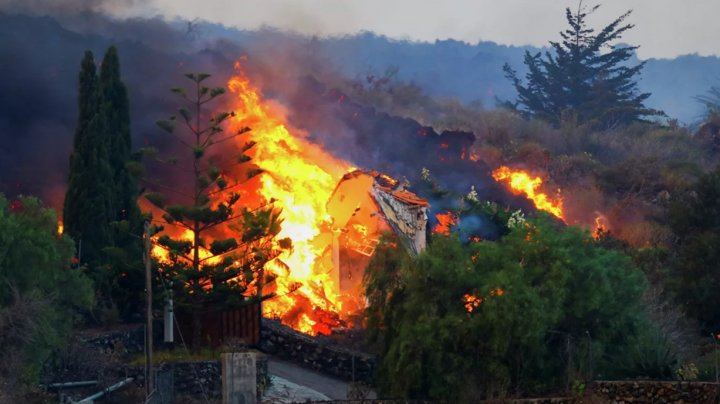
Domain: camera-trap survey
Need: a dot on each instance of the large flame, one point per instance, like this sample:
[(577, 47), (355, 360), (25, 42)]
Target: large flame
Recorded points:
[(522, 182), (300, 177)]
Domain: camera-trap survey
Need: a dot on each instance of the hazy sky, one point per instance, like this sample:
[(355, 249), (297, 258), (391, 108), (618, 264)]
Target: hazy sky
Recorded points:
[(664, 28)]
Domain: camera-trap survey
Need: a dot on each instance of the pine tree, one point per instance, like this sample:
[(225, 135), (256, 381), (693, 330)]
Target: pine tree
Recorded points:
[(229, 271), (585, 78), (87, 210)]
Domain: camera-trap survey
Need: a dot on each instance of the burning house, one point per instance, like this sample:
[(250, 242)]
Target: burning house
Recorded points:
[(363, 206)]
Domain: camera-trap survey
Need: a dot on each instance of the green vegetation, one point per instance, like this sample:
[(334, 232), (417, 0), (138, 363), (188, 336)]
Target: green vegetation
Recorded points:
[(695, 219), (527, 313), (178, 355), (585, 79), (40, 294)]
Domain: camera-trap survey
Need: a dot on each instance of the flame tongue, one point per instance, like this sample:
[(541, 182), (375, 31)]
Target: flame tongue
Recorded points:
[(522, 182), (300, 176)]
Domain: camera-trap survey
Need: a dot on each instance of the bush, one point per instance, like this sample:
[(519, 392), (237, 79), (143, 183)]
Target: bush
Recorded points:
[(40, 294), (499, 316)]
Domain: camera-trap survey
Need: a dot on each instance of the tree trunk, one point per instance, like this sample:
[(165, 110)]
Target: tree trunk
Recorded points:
[(197, 331)]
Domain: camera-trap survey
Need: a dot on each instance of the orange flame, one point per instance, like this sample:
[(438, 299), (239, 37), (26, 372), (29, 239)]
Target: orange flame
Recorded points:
[(601, 226), (163, 255), (522, 182), (300, 176), (445, 222), (471, 302), (60, 228)]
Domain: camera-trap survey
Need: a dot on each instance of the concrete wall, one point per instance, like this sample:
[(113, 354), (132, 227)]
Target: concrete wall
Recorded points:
[(239, 378)]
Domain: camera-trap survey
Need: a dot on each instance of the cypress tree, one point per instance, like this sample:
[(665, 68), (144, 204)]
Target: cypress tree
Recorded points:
[(585, 77), (87, 208), (125, 275), (115, 109)]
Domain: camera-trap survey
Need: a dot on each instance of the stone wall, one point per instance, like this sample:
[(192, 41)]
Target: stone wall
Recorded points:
[(197, 379), (314, 353), (200, 379), (560, 400), (126, 339), (656, 392), (615, 392)]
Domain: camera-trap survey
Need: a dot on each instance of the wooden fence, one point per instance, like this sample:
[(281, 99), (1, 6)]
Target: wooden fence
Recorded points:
[(241, 325)]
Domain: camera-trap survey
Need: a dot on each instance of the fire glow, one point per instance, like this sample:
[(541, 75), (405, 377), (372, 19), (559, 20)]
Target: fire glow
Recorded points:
[(522, 182), (300, 177), (601, 226), (445, 222)]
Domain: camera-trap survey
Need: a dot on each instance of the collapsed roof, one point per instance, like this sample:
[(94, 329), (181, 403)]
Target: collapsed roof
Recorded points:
[(402, 210)]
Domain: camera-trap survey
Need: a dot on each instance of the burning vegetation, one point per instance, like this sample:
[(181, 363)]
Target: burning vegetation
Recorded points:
[(523, 183)]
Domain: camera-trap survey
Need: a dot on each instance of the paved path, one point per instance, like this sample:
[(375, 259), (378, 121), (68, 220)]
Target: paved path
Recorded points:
[(282, 391), (333, 388)]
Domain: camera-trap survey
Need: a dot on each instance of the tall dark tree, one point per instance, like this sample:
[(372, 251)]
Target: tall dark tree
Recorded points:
[(115, 112), (126, 280), (87, 210), (101, 212), (584, 78), (228, 271)]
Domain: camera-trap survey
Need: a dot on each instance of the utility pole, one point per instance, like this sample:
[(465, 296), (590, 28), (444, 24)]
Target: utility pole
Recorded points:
[(148, 311), (716, 342)]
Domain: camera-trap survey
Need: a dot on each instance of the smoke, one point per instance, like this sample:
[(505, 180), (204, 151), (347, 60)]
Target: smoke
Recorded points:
[(38, 93), (64, 7), (38, 99)]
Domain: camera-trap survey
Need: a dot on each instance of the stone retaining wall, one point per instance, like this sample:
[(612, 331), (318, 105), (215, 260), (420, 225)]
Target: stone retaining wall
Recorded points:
[(313, 353), (615, 392), (656, 392), (197, 379), (127, 339)]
